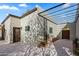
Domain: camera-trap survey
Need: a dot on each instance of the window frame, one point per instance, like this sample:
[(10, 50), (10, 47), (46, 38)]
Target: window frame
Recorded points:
[(27, 28), (50, 30)]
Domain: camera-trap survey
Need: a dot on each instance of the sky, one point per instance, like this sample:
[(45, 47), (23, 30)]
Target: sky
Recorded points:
[(62, 14), (19, 9)]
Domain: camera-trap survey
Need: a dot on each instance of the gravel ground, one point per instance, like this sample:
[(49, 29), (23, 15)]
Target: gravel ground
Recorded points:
[(24, 49)]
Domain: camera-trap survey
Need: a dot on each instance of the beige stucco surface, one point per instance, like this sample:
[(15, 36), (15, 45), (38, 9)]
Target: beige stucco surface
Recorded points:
[(71, 27), (77, 29), (53, 26)]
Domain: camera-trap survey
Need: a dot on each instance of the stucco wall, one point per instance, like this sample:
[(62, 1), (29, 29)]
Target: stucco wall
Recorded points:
[(77, 29), (72, 30), (53, 26), (59, 30), (71, 27)]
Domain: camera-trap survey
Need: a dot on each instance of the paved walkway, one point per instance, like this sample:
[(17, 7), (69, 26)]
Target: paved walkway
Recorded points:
[(64, 47), (2, 42), (61, 47), (24, 49)]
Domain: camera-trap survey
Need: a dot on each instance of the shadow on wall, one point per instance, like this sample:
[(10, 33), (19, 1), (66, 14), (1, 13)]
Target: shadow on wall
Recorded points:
[(59, 30)]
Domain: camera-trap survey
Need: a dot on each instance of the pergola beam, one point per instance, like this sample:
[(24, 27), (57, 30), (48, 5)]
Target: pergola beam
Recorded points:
[(52, 8)]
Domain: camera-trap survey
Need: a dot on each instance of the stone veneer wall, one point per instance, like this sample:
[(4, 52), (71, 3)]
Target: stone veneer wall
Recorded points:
[(7, 29), (9, 24), (36, 24), (0, 32), (15, 22)]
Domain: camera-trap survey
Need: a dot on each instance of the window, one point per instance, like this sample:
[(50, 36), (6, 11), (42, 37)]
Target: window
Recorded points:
[(27, 28), (50, 30)]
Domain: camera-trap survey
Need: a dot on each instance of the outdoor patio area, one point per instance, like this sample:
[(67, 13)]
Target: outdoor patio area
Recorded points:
[(60, 48), (37, 32), (64, 47)]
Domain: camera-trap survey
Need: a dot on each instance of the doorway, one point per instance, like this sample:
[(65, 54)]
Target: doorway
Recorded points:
[(65, 34), (16, 34)]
